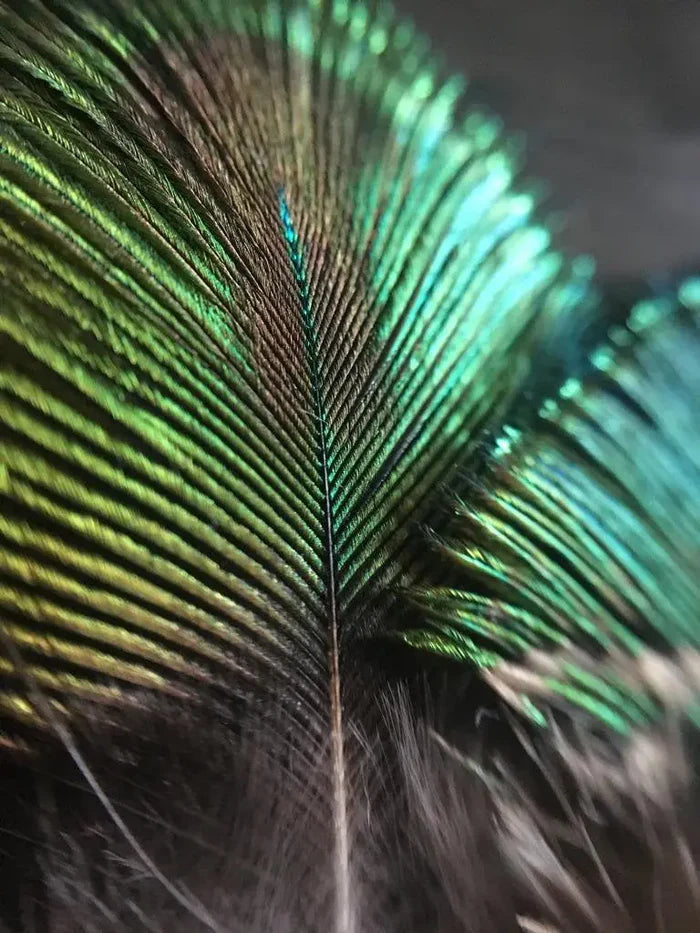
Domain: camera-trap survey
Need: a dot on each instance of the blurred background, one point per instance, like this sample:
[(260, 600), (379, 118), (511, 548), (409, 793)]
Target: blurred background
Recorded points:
[(608, 93)]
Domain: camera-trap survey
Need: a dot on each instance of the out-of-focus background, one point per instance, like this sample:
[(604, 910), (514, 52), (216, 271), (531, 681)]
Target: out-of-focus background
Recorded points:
[(608, 93)]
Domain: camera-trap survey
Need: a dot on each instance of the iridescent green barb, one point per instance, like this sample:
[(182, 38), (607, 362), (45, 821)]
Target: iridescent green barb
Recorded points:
[(160, 468), (257, 301)]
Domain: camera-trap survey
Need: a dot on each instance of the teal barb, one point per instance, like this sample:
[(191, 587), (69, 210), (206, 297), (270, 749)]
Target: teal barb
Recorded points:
[(289, 368), (582, 543)]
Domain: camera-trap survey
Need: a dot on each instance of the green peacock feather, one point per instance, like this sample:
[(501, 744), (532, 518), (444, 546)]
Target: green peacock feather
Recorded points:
[(294, 391), (584, 533)]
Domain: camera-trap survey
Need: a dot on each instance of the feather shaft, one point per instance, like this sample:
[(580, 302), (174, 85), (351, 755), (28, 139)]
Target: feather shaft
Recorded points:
[(343, 912)]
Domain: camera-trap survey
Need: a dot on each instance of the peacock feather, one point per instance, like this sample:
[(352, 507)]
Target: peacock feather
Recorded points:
[(340, 513)]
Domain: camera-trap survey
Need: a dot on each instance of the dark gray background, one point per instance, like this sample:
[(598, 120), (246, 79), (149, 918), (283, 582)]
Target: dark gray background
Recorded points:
[(609, 94)]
